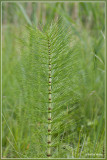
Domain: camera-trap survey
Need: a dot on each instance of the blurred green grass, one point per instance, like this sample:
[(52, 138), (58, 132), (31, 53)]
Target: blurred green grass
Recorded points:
[(88, 25)]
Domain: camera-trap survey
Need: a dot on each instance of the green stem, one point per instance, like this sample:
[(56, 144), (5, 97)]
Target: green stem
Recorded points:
[(50, 105)]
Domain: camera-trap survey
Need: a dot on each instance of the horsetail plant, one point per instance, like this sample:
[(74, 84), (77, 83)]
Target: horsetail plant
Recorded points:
[(49, 79)]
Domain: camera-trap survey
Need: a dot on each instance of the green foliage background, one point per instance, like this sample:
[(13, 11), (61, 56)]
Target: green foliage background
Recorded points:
[(20, 136)]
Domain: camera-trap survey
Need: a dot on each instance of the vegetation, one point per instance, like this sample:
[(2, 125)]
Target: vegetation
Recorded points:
[(53, 80)]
